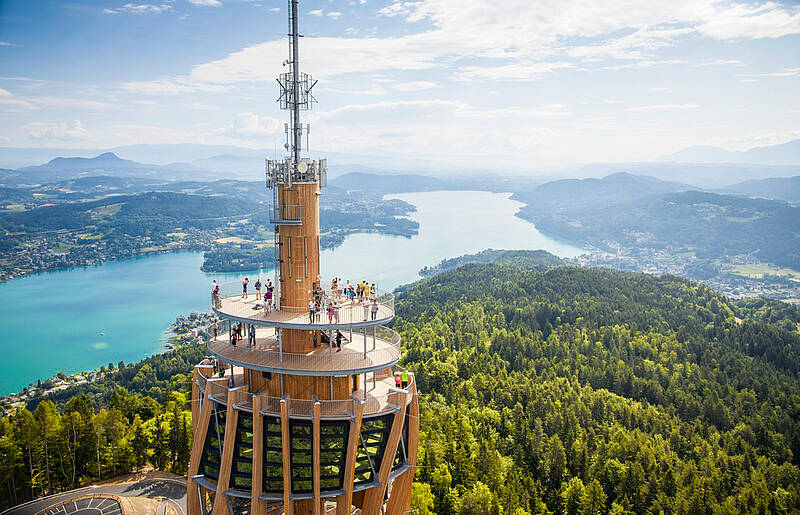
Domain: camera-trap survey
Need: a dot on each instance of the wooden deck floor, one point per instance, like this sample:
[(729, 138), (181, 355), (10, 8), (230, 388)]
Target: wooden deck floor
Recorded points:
[(350, 314), (324, 360)]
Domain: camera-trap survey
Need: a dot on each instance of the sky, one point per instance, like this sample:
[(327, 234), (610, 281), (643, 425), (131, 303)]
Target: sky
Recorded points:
[(527, 80)]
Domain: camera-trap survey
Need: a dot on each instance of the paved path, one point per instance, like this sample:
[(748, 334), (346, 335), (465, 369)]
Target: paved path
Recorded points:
[(172, 491)]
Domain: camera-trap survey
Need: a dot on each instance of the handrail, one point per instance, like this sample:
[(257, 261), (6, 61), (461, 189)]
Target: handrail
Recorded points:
[(378, 350), (231, 302), (281, 213)]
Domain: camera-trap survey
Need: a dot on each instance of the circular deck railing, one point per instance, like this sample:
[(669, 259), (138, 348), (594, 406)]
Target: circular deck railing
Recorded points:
[(230, 303), (378, 348)]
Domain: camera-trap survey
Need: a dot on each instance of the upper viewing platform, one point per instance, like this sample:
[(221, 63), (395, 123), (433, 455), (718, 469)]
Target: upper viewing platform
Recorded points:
[(344, 313)]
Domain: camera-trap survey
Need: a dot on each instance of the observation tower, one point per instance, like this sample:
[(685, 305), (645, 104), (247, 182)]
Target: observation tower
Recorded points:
[(284, 419)]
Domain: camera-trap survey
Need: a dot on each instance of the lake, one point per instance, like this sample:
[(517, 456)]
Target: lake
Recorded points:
[(79, 319)]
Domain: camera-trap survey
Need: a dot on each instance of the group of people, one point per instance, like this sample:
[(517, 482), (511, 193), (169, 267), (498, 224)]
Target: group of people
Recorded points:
[(361, 291), (401, 379), (322, 302), (237, 333), (329, 302)]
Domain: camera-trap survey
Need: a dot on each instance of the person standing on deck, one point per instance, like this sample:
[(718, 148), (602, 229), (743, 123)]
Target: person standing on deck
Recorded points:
[(268, 299), (258, 289), (252, 336), (215, 295), (374, 308), (336, 312), (404, 377), (311, 306), (339, 338), (244, 287), (366, 309)]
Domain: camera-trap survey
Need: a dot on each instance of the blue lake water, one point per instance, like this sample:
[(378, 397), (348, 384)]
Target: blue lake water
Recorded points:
[(79, 319)]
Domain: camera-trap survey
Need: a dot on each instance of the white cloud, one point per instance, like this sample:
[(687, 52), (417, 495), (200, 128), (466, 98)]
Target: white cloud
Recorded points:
[(786, 72), (253, 126), (515, 41), (417, 85), (139, 9), (334, 15), (520, 71), (205, 3), (6, 43), (12, 104), (57, 131), (740, 21), (721, 62), (664, 107), (275, 9)]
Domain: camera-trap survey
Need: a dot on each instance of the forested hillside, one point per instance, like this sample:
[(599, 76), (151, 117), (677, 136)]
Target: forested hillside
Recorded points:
[(589, 391), (571, 390)]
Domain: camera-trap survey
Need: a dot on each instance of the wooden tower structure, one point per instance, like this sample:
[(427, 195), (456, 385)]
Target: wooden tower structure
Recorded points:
[(303, 413)]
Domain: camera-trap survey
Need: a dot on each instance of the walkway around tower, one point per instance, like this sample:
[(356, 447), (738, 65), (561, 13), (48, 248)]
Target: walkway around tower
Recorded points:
[(232, 305), (375, 348)]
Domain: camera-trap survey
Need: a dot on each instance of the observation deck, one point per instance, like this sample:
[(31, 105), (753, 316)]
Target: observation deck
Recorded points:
[(360, 353), (231, 305)]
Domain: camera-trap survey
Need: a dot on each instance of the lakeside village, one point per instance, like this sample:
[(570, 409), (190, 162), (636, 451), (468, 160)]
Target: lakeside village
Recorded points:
[(729, 278), (187, 330)]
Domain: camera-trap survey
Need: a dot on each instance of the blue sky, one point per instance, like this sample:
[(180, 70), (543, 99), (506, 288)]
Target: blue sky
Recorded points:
[(539, 81)]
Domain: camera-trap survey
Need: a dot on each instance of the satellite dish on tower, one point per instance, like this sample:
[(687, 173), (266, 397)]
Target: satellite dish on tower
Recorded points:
[(302, 167)]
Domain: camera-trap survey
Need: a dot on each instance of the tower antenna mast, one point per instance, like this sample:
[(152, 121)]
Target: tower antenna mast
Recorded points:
[(297, 127), (295, 93)]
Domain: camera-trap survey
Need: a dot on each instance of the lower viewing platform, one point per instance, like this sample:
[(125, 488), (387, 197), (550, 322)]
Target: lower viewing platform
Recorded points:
[(375, 348), (379, 394)]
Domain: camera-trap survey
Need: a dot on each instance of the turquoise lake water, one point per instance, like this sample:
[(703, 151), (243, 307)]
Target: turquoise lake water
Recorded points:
[(79, 319)]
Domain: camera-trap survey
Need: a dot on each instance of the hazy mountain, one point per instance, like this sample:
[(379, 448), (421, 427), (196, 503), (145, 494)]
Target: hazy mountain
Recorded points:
[(612, 189), (106, 164), (702, 175), (781, 155), (780, 188)]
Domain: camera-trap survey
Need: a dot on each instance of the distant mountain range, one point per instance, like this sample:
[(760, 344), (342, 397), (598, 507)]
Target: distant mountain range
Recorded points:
[(635, 211), (614, 188), (698, 175), (778, 188), (785, 154), (106, 164)]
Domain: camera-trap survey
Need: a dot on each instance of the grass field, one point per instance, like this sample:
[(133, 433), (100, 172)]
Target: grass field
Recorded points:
[(757, 271)]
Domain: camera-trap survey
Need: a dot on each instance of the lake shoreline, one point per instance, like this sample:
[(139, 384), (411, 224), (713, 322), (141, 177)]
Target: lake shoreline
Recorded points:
[(81, 318)]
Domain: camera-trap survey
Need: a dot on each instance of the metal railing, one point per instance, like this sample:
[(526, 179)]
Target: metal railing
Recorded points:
[(285, 214), (345, 312), (372, 348)]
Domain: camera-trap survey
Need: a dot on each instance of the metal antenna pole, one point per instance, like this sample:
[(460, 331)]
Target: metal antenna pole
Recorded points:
[(297, 128)]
